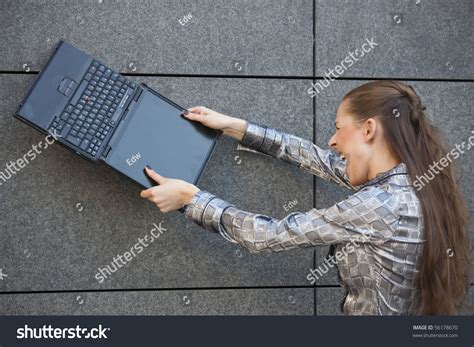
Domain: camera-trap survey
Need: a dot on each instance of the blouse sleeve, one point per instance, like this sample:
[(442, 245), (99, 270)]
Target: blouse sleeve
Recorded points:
[(324, 163), (367, 216)]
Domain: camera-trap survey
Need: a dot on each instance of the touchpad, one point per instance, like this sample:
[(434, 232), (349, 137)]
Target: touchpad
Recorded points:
[(157, 135)]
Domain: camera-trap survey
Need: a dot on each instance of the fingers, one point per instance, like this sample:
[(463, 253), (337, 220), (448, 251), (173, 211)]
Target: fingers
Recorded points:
[(198, 113), (198, 109), (154, 175), (194, 110), (153, 195), (148, 193), (194, 116)]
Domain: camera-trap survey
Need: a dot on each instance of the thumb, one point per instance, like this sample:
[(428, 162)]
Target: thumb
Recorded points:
[(154, 175)]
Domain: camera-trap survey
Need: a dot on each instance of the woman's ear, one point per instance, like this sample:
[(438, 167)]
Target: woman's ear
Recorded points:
[(370, 128)]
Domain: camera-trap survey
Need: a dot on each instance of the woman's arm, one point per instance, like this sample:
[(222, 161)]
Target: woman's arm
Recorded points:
[(296, 151), (366, 216), (292, 149)]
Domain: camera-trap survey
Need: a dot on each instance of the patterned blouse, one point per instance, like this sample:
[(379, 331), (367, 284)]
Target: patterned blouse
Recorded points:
[(376, 231)]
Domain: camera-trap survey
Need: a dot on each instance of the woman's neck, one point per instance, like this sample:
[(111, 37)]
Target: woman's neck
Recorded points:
[(382, 161)]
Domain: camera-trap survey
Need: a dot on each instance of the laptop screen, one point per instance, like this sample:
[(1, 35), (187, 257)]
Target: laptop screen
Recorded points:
[(157, 135)]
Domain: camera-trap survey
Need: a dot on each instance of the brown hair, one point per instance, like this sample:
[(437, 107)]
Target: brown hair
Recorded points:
[(443, 279)]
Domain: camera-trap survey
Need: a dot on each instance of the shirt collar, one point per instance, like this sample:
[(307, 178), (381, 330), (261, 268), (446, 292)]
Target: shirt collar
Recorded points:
[(399, 171)]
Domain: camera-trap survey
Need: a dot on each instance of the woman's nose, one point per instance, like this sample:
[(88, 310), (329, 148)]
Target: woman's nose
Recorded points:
[(332, 141)]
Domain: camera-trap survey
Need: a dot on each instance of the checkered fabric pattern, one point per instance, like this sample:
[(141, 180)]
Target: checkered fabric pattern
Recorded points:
[(377, 231)]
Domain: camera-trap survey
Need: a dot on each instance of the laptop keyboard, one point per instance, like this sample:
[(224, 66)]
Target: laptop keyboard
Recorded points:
[(90, 116)]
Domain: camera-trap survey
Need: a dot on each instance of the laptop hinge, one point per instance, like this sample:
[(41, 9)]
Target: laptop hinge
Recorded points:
[(139, 92), (134, 96), (106, 151)]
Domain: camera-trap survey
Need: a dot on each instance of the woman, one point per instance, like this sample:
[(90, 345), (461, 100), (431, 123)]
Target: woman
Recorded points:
[(411, 253)]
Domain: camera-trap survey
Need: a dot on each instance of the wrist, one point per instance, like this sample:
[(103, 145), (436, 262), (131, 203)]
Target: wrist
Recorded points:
[(188, 193), (236, 128)]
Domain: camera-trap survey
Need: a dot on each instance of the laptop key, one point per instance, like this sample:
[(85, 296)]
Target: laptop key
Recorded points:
[(85, 144), (74, 140), (65, 130)]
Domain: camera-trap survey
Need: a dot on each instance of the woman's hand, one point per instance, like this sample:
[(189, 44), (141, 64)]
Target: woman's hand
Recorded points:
[(171, 194), (230, 126)]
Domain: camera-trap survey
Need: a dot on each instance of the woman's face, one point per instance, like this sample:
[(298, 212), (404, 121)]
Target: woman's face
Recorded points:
[(352, 141)]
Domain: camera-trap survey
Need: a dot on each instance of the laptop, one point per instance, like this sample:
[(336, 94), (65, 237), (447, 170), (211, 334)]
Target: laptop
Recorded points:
[(104, 117)]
